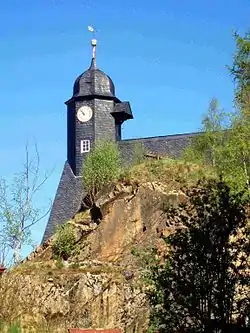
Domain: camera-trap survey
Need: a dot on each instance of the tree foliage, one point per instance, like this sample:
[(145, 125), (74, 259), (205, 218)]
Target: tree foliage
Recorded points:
[(240, 70), (203, 284), (102, 166), (205, 147), (225, 139), (239, 138)]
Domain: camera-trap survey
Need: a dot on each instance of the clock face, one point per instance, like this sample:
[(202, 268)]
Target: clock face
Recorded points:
[(84, 113)]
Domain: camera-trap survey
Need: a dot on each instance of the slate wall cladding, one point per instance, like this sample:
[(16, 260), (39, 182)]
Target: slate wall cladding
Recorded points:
[(66, 202), (84, 131), (102, 125), (71, 138), (104, 122)]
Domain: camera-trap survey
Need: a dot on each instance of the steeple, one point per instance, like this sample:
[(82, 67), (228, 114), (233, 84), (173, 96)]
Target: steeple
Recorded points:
[(93, 82)]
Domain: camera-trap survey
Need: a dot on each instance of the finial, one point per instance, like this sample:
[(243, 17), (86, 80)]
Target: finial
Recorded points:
[(93, 44)]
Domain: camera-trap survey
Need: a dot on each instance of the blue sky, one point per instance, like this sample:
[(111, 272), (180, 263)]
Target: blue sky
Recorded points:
[(168, 58)]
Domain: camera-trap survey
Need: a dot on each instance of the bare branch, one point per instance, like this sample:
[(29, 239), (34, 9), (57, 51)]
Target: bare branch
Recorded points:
[(38, 219), (38, 187), (18, 211), (37, 167)]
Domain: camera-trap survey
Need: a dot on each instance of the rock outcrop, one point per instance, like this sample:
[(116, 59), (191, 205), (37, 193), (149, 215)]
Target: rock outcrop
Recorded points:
[(99, 285)]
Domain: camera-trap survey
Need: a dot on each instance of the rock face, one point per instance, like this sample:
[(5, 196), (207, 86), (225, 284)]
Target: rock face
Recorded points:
[(71, 298), (99, 285)]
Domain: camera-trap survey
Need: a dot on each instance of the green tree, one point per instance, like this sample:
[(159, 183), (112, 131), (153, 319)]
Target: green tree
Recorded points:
[(18, 209), (235, 156), (102, 167), (198, 287), (206, 146), (238, 148), (240, 71), (224, 140)]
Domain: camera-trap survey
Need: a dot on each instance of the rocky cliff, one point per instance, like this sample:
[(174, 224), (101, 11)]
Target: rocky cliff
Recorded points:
[(99, 285)]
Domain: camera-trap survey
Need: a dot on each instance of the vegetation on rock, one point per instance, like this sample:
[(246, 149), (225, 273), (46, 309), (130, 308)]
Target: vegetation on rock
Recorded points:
[(102, 166), (11, 328), (63, 244)]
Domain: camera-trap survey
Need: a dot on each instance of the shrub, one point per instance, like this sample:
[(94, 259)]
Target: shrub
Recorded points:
[(64, 243), (14, 328), (138, 153), (10, 328), (102, 166), (59, 263)]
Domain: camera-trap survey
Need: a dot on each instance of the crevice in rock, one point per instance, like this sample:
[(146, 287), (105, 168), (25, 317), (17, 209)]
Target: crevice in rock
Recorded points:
[(96, 214)]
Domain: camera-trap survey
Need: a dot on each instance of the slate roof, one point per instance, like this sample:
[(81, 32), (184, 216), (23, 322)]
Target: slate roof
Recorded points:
[(94, 82), (67, 201), (169, 145), (70, 190)]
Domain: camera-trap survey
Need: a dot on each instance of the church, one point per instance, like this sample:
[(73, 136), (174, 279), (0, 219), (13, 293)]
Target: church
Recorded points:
[(95, 112)]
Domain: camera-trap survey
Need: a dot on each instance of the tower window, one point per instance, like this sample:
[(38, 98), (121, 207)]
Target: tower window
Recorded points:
[(85, 146)]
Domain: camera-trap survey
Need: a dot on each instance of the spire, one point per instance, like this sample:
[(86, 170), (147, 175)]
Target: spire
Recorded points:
[(93, 44)]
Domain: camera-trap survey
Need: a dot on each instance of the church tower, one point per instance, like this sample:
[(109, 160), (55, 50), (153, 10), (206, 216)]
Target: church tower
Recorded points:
[(94, 113)]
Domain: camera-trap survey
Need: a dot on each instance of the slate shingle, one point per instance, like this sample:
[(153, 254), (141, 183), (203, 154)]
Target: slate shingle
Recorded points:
[(67, 201)]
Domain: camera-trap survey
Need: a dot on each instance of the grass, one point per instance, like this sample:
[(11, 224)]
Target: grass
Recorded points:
[(170, 172), (17, 328), (10, 328)]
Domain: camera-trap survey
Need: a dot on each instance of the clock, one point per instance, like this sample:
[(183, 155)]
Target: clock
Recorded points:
[(84, 113)]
